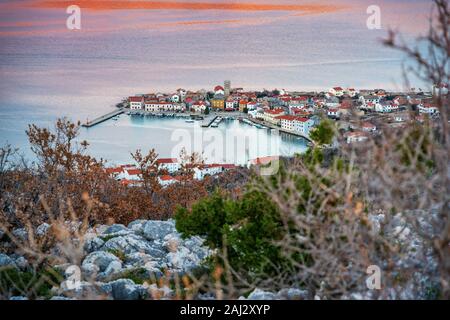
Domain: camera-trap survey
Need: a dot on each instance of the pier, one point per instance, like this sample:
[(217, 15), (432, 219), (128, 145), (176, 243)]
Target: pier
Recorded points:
[(208, 121), (103, 118)]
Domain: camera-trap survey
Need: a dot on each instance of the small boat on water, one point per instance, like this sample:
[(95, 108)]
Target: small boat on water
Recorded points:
[(190, 121)]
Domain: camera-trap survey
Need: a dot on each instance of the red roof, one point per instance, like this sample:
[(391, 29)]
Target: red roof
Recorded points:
[(167, 160), (368, 125), (114, 170), (264, 160), (134, 172), (289, 118), (338, 89), (228, 166), (135, 99), (355, 134), (166, 178), (217, 88), (276, 111)]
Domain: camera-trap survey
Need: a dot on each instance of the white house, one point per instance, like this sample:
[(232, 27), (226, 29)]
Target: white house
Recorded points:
[(136, 103), (182, 93), (170, 164), (365, 100), (129, 173), (303, 125), (296, 124), (167, 180), (251, 105), (202, 171), (427, 108), (351, 92), (199, 106), (441, 89), (386, 106), (355, 136), (368, 127), (175, 98), (287, 122), (333, 112), (219, 90), (336, 91), (271, 115), (230, 104), (163, 106)]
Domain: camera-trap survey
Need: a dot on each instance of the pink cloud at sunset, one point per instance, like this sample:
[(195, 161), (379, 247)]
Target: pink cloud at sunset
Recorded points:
[(184, 5)]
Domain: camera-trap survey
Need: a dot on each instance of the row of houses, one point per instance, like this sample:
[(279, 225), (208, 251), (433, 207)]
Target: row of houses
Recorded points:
[(154, 105), (337, 102), (131, 175), (378, 104)]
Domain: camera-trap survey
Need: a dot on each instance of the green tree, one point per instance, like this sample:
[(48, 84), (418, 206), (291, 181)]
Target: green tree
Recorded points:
[(323, 134), (250, 226)]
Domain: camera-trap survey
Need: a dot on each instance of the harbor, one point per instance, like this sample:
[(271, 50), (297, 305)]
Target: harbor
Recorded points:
[(208, 121), (103, 118)]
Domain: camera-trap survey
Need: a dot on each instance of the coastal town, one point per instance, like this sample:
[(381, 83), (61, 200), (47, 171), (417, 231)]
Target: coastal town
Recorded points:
[(358, 113)]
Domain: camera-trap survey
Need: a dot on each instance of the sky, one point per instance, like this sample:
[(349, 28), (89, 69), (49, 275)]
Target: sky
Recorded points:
[(127, 47)]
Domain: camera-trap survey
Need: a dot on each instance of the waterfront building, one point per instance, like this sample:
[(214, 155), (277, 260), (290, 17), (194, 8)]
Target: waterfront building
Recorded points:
[(229, 104), (242, 105), (136, 103), (287, 122), (218, 102), (199, 106), (153, 106), (303, 125), (271, 115)]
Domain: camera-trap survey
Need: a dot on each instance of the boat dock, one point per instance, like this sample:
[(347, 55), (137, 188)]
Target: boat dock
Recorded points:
[(216, 122), (208, 121), (103, 118)]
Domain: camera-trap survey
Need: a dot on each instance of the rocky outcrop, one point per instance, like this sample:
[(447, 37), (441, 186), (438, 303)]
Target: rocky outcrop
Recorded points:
[(284, 294), (118, 255)]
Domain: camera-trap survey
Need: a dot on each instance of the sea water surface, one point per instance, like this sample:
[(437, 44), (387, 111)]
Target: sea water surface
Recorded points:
[(48, 71)]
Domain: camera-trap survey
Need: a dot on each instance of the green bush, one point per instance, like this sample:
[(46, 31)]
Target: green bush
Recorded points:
[(250, 226), (30, 283)]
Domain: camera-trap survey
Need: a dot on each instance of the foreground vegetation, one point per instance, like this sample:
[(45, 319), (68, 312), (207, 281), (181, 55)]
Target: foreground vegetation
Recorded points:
[(318, 223)]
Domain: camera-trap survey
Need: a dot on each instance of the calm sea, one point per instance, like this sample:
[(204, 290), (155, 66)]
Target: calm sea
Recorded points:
[(47, 71)]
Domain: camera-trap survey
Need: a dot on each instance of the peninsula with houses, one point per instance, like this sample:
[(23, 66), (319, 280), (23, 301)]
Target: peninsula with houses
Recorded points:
[(358, 113)]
